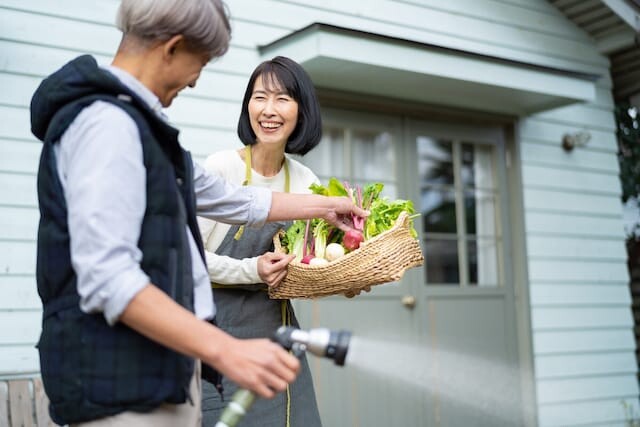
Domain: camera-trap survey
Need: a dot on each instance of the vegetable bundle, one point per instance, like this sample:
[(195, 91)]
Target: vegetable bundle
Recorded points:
[(316, 242)]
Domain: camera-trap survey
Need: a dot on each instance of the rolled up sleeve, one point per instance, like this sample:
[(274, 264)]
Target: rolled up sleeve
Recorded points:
[(225, 202), (104, 179)]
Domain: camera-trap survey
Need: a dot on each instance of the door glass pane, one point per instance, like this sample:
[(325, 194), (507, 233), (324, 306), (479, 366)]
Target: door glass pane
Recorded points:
[(480, 212), (373, 155), (458, 203), (477, 169), (441, 259), (482, 262), (327, 158), (438, 208), (435, 161)]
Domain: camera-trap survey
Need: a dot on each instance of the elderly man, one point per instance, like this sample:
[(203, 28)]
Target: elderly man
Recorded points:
[(120, 267)]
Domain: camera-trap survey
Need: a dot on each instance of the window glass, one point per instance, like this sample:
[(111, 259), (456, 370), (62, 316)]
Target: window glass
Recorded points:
[(477, 168), (435, 161), (458, 195), (458, 203), (327, 158), (438, 208), (480, 213), (482, 262), (373, 155), (357, 156), (441, 259)]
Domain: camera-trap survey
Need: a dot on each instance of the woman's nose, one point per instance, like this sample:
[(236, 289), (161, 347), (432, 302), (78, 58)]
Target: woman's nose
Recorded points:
[(269, 107)]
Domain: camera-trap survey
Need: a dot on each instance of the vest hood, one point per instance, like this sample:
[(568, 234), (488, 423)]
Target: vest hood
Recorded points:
[(77, 79)]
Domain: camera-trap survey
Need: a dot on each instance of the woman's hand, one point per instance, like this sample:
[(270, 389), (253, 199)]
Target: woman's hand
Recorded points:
[(272, 267)]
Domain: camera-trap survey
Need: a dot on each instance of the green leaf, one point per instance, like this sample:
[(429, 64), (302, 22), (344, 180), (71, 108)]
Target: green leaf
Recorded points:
[(336, 188), (384, 214), (319, 189), (370, 193)]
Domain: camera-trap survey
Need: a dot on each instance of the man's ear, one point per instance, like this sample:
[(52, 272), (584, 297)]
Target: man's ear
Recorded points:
[(170, 47)]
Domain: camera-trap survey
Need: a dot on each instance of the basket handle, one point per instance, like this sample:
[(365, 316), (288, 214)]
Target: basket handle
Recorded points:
[(276, 241), (403, 219)]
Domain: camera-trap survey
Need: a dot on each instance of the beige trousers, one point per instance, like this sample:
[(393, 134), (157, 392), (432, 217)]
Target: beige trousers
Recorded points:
[(166, 415)]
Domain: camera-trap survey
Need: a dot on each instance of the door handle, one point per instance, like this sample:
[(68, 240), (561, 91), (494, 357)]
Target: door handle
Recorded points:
[(409, 301)]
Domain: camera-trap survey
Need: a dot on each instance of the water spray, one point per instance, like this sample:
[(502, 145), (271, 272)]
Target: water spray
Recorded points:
[(321, 342)]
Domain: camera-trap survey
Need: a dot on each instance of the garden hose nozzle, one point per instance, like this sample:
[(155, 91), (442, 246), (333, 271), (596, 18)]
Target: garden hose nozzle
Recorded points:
[(321, 342)]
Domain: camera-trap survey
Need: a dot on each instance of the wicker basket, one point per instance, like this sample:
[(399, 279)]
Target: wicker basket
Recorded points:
[(381, 259)]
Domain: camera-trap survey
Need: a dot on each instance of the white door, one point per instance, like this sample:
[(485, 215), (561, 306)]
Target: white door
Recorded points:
[(442, 344), (465, 298)]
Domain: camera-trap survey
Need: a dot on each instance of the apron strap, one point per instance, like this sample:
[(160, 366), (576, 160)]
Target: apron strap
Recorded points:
[(247, 180)]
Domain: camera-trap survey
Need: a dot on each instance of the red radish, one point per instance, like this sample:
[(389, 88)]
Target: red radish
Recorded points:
[(352, 239), (307, 258)]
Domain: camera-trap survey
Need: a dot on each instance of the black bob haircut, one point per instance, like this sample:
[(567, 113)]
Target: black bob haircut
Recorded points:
[(287, 74)]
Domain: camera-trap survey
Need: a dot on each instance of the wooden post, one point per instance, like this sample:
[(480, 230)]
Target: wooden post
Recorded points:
[(42, 404), (24, 403), (20, 404), (4, 407)]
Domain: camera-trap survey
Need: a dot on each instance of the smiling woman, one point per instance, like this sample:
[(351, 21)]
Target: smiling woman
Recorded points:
[(273, 113), (289, 81), (280, 116)]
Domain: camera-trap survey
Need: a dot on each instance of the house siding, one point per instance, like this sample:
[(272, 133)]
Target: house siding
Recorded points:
[(579, 284), (580, 301)]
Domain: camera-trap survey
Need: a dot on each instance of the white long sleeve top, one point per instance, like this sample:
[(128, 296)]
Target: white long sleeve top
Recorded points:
[(229, 166)]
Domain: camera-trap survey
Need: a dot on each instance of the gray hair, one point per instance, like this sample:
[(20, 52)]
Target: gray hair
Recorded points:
[(203, 23)]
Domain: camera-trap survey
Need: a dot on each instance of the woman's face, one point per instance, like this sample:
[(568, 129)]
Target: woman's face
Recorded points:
[(273, 114)]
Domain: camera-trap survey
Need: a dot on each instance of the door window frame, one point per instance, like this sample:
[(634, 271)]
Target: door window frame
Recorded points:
[(485, 135)]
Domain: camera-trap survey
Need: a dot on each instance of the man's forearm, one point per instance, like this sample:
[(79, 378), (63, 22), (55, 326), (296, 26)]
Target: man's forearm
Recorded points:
[(153, 314), (259, 365), (288, 206)]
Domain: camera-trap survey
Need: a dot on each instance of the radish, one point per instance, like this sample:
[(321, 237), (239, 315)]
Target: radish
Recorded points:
[(352, 239), (333, 251), (307, 259), (318, 261)]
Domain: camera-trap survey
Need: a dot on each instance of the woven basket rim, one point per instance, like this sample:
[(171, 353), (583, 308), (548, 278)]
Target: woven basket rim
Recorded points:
[(401, 221), (316, 281)]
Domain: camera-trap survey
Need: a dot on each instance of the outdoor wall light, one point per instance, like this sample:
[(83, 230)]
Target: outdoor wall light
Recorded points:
[(576, 139)]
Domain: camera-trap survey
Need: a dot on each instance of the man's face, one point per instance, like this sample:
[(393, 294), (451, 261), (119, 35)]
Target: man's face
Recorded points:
[(182, 70)]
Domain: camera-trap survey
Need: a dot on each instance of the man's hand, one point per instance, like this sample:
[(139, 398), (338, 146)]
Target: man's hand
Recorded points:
[(272, 267), (340, 215), (337, 211), (259, 365)]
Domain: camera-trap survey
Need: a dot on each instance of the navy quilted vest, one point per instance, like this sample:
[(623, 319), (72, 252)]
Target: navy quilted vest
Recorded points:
[(91, 369)]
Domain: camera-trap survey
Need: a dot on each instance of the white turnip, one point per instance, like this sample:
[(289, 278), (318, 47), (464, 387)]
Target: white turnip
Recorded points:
[(318, 261), (333, 251)]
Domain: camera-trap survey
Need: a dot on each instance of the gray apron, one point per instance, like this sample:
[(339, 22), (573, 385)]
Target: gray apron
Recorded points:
[(246, 311)]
